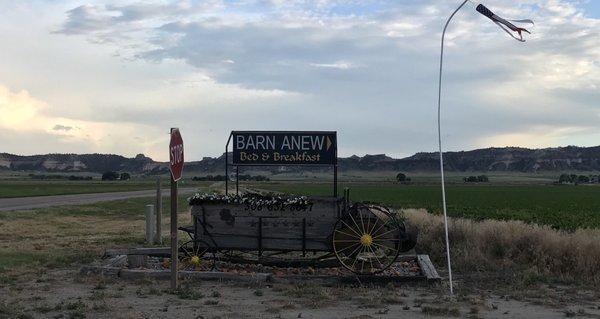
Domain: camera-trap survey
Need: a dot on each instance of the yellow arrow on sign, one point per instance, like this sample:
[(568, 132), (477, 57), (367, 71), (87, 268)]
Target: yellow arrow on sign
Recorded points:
[(328, 143)]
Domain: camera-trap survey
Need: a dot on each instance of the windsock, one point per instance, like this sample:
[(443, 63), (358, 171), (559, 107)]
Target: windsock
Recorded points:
[(506, 25)]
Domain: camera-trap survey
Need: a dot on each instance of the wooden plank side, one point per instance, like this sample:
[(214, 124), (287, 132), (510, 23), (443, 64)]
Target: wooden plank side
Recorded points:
[(240, 211), (273, 227), (427, 267), (231, 226), (251, 243), (320, 209)]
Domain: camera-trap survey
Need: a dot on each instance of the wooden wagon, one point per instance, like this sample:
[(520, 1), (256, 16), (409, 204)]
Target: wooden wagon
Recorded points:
[(365, 239)]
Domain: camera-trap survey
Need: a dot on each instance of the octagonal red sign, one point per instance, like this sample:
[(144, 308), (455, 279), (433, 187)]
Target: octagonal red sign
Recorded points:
[(176, 154)]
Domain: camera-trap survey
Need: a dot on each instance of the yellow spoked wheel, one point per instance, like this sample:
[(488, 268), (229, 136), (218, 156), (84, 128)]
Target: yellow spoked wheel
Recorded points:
[(192, 254), (367, 240)]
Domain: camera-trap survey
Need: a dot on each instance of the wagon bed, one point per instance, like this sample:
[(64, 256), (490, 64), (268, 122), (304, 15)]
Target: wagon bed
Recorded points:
[(365, 239)]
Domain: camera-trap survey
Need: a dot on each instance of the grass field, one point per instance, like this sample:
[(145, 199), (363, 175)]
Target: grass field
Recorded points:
[(562, 207), (27, 188), (62, 235)]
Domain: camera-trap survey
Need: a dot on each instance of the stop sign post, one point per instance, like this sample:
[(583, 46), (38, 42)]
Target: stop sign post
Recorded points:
[(176, 168)]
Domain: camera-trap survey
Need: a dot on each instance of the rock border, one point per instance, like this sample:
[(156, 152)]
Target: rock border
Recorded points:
[(115, 267)]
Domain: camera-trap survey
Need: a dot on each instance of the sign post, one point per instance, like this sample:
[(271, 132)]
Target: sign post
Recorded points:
[(176, 168), (282, 148)]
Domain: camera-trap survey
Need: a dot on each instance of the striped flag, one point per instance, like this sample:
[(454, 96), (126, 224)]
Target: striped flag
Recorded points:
[(506, 25)]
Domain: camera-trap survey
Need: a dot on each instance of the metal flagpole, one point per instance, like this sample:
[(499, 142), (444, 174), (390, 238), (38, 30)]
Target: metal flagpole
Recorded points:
[(440, 146), (507, 26)]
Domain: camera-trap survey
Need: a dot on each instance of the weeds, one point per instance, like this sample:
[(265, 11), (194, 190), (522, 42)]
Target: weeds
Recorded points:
[(442, 311), (44, 308), (537, 252), (144, 292), (313, 295), (8, 310), (188, 294), (100, 307)]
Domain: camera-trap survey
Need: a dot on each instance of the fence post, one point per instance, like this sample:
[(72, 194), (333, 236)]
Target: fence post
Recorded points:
[(158, 238), (150, 224)]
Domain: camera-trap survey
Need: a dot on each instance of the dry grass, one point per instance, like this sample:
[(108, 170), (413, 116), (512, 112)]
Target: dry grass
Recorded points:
[(511, 245), (56, 240)]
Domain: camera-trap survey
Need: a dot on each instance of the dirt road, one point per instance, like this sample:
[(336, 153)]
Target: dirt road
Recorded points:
[(23, 203)]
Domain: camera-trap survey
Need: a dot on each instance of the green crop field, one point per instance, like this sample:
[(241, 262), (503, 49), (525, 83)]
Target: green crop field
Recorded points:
[(562, 207), (27, 188)]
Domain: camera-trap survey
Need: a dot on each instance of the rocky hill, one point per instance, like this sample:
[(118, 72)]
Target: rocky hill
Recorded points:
[(81, 163), (507, 159)]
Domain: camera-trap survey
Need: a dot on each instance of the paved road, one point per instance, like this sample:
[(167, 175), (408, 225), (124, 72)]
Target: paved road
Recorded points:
[(23, 203)]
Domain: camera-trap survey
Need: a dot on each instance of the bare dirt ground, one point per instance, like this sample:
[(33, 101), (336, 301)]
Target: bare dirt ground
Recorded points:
[(63, 293), (41, 252)]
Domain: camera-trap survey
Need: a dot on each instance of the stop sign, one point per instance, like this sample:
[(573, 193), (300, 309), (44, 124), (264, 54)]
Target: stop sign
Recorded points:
[(176, 154)]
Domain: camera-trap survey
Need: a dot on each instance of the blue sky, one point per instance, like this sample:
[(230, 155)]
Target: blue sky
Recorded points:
[(592, 7), (114, 76)]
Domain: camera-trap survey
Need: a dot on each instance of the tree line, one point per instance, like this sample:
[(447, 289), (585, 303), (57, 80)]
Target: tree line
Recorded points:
[(61, 177), (476, 179), (578, 179), (216, 178), (113, 176)]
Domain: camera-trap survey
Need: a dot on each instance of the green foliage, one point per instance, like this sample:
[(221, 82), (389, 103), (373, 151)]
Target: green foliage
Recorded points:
[(54, 259), (188, 293), (401, 177), (257, 178), (476, 179), (578, 179), (110, 176), (126, 208), (11, 188), (60, 177), (565, 208)]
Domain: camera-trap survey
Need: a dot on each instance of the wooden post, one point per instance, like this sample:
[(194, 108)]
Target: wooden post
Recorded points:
[(174, 250), (150, 227), (158, 211)]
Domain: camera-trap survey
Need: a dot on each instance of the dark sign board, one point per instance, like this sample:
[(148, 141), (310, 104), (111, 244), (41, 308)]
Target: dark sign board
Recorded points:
[(284, 148)]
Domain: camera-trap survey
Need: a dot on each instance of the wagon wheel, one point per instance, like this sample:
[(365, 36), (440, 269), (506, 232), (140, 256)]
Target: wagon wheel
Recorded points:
[(195, 254), (367, 239)]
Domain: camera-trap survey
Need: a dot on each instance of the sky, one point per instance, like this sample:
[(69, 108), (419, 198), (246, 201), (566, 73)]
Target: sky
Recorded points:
[(114, 76)]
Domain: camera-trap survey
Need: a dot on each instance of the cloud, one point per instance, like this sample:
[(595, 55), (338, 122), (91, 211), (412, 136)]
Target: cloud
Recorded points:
[(26, 120), (59, 127), (19, 110), (365, 68), (100, 18), (340, 65)]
